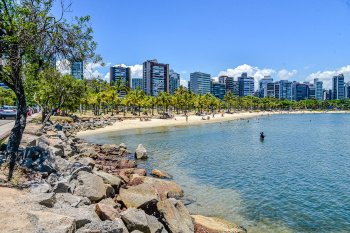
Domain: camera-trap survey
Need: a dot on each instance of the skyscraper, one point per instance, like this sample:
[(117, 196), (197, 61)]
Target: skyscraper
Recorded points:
[(77, 69), (137, 82), (246, 85), (222, 79), (263, 87), (155, 77), (232, 86), (300, 91), (124, 73), (174, 81), (217, 89), (319, 89), (200, 83), (285, 89), (338, 87)]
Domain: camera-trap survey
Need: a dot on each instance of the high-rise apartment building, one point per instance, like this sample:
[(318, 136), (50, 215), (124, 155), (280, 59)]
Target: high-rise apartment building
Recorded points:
[(77, 69), (200, 83), (174, 81), (285, 89), (137, 83), (189, 85), (222, 79), (218, 89), (246, 85), (300, 91), (124, 73), (312, 91), (347, 90), (338, 87), (155, 77), (318, 89), (232, 86), (263, 87)]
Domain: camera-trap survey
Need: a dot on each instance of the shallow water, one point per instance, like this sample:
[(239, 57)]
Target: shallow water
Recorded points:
[(296, 180)]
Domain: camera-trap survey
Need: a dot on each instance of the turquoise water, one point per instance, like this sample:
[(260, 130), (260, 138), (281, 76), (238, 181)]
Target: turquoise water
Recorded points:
[(296, 180)]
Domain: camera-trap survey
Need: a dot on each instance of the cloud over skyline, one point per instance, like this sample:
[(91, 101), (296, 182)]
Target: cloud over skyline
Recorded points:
[(326, 76)]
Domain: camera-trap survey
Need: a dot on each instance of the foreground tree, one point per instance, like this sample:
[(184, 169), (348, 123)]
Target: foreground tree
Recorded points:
[(30, 34)]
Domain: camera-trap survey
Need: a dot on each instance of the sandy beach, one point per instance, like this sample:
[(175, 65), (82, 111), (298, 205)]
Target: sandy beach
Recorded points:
[(181, 120)]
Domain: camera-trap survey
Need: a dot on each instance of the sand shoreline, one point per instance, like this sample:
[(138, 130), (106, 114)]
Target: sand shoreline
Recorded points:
[(181, 120)]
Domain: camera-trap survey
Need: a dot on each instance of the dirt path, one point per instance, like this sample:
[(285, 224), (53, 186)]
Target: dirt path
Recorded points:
[(14, 211)]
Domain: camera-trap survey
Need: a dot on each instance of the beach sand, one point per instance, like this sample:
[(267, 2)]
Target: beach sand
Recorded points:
[(181, 120)]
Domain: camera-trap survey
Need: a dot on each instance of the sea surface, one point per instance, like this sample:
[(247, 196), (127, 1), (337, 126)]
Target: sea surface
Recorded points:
[(296, 180)]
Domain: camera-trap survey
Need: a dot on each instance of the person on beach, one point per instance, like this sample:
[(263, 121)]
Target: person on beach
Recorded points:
[(186, 118)]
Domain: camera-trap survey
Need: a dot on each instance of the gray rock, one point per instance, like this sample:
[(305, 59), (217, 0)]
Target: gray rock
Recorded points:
[(29, 140), (87, 151), (32, 152), (61, 186), (136, 231), (46, 199), (109, 179), (154, 225), (90, 186), (103, 227), (109, 201), (67, 199), (135, 219), (74, 168), (50, 222), (87, 161), (121, 224), (40, 187), (42, 142), (140, 152), (82, 215), (53, 178), (122, 146), (176, 215), (139, 195)]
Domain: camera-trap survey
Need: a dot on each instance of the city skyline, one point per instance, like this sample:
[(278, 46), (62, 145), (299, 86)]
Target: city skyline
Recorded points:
[(290, 39)]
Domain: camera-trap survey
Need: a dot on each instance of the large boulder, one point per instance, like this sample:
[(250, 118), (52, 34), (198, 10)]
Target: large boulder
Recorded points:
[(106, 212), (176, 216), (46, 199), (109, 179), (125, 163), (51, 223), (165, 188), (104, 227), (154, 225), (28, 140), (41, 187), (159, 174), (140, 152), (139, 195), (215, 225), (82, 215), (135, 219), (67, 199), (90, 186)]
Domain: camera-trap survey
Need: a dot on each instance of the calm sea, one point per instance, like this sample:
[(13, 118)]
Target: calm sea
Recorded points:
[(296, 180)]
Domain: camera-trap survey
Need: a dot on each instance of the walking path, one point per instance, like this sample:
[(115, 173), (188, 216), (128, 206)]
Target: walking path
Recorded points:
[(7, 125)]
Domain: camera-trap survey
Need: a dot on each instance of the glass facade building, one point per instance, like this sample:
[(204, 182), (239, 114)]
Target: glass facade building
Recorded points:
[(137, 82), (232, 86), (124, 73), (174, 81), (155, 77), (319, 89), (338, 87), (218, 89), (77, 69), (263, 87), (200, 83), (246, 85)]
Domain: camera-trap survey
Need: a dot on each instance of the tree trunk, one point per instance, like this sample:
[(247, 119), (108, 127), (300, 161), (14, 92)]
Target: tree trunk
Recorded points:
[(20, 124)]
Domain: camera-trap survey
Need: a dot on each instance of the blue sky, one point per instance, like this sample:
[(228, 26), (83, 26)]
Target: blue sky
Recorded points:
[(298, 40)]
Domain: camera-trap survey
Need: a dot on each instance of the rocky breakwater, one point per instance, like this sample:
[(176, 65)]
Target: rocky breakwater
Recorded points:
[(86, 187)]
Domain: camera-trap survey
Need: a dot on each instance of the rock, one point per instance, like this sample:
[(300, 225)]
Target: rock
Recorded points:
[(46, 199), (90, 186), (176, 215), (57, 150), (110, 202), (50, 222), (33, 152), (67, 199), (42, 142), (165, 188), (109, 179), (28, 140), (40, 187), (104, 227), (87, 151), (135, 219), (140, 152), (126, 163), (61, 186), (82, 215), (154, 225), (122, 146), (159, 174), (109, 190), (140, 172), (106, 212), (121, 224), (74, 168), (107, 149), (215, 225), (138, 195), (87, 161), (136, 231)]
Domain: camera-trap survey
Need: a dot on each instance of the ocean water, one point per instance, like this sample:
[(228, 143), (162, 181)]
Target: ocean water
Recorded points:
[(296, 180)]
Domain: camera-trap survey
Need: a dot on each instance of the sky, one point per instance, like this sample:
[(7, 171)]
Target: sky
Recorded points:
[(290, 39)]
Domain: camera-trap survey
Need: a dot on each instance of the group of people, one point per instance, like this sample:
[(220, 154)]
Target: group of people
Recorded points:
[(146, 119)]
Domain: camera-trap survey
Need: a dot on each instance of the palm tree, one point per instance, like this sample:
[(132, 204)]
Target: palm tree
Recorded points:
[(136, 98), (229, 98), (163, 99)]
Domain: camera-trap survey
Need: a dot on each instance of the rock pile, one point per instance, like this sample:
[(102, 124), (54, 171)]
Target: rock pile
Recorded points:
[(87, 187)]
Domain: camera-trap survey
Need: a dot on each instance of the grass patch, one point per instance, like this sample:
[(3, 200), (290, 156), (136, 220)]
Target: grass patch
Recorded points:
[(57, 119)]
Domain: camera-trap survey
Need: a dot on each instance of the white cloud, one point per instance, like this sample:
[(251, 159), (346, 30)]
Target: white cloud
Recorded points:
[(107, 77), (326, 76), (136, 70), (184, 82), (63, 66), (184, 71), (285, 74)]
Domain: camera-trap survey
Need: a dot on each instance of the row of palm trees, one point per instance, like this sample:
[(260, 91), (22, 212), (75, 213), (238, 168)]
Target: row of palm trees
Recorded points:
[(136, 101)]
